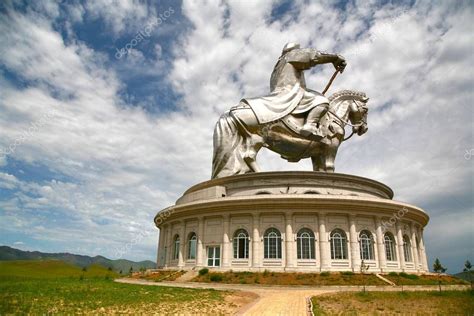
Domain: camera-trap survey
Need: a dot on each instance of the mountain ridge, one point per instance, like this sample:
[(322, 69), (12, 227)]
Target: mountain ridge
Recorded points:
[(8, 254)]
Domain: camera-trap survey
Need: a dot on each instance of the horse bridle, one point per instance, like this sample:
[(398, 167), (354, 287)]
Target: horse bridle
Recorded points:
[(347, 122)]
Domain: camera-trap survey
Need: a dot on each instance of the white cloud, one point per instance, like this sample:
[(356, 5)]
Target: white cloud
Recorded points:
[(121, 16)]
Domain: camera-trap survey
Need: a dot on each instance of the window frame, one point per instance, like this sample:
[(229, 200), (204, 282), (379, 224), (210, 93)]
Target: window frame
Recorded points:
[(272, 241), (192, 239), (390, 247), (241, 239), (367, 240), (176, 246), (307, 241), (341, 239), (407, 255)]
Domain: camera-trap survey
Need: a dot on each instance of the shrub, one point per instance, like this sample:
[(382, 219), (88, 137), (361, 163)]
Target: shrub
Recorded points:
[(216, 278), (347, 273), (203, 271), (324, 274), (257, 280), (408, 276), (265, 273), (242, 281)]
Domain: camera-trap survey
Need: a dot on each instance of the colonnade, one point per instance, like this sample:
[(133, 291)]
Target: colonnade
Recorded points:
[(289, 260)]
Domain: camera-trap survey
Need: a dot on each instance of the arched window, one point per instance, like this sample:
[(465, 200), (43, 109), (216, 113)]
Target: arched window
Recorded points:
[(338, 245), (366, 244), (241, 244), (305, 244), (192, 242), (272, 244), (407, 248), (176, 247), (390, 253)]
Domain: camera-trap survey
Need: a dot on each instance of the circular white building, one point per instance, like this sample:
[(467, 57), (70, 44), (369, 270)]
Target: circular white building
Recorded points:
[(292, 221)]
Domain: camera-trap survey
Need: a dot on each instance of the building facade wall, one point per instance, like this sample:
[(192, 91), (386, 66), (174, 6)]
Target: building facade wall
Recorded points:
[(218, 231)]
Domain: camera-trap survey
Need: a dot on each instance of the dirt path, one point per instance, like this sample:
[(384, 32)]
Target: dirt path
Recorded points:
[(283, 300)]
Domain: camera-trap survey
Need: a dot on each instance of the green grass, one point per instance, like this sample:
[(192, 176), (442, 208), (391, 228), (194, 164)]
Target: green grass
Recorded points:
[(42, 287), (38, 269), (409, 303), (403, 278)]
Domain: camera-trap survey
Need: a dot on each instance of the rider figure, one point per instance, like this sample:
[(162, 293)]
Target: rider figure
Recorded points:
[(288, 89)]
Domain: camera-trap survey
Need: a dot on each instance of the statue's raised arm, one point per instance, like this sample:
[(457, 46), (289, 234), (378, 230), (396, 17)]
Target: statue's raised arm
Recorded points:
[(306, 58), (292, 120)]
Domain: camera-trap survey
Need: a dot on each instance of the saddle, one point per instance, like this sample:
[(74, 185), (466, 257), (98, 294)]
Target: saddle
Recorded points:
[(296, 121)]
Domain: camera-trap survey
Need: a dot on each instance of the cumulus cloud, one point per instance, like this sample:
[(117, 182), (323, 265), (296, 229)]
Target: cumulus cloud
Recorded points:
[(118, 164)]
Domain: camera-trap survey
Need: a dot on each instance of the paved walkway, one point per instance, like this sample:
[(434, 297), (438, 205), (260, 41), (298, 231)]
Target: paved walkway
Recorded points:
[(284, 300)]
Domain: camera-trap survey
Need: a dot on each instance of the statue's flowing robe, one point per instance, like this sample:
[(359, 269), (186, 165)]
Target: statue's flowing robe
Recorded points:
[(288, 88)]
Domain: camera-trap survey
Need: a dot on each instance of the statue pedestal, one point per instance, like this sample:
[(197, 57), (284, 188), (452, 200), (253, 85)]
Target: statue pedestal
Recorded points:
[(292, 221)]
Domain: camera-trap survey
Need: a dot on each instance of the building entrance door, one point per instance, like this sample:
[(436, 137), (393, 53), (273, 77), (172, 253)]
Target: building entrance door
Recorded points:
[(213, 256)]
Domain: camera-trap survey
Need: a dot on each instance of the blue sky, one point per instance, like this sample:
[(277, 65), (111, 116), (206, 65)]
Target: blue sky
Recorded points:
[(92, 144)]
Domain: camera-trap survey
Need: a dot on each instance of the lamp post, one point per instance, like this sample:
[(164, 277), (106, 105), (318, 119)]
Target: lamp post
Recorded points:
[(363, 268)]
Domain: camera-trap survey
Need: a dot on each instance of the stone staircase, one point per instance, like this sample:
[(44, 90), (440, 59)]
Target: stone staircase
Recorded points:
[(384, 279), (188, 276)]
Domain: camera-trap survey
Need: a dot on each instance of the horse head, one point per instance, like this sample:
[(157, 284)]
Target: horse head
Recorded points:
[(351, 105)]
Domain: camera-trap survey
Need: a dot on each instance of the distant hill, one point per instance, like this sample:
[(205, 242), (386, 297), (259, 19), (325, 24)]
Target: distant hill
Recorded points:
[(9, 254), (465, 276)]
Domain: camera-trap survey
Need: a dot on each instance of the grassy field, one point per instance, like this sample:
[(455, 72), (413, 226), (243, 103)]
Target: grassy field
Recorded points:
[(412, 279), (390, 303), (280, 278), (43, 287)]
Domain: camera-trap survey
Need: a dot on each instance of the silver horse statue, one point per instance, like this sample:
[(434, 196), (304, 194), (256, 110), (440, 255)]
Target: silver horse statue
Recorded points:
[(293, 121)]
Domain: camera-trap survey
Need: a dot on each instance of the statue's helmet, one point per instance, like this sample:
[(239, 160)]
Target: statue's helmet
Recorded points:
[(290, 46)]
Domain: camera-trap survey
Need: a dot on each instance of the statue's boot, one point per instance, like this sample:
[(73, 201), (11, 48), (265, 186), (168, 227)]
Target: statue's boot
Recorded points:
[(312, 131)]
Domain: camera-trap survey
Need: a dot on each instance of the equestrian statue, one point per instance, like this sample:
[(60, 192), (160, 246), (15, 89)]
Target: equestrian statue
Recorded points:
[(293, 121)]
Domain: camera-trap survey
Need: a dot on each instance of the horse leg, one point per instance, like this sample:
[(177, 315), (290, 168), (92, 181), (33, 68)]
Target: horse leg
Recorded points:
[(317, 163), (253, 145), (330, 155)]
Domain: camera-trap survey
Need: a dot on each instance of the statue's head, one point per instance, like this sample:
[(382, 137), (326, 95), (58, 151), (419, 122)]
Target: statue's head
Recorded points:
[(289, 46)]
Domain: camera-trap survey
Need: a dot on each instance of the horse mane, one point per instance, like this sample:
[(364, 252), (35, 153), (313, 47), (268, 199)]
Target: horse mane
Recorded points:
[(348, 94)]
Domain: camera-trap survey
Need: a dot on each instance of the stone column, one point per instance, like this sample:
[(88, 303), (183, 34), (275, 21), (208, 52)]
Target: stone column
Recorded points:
[(414, 246), (380, 244), (256, 241), (401, 252), (324, 244), (423, 259), (182, 244), (289, 241), (159, 253), (169, 243), (354, 244), (199, 250), (226, 242)]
